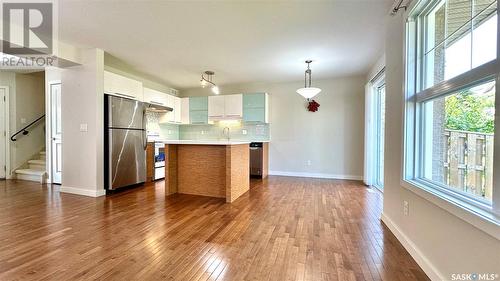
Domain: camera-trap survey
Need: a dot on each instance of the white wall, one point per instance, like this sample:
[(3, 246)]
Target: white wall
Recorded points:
[(442, 243), (331, 138), (82, 100)]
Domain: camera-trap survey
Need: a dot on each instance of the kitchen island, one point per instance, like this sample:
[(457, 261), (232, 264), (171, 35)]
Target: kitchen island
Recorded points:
[(209, 168)]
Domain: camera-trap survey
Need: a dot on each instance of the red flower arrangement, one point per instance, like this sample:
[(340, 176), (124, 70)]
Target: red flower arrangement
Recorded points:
[(313, 106)]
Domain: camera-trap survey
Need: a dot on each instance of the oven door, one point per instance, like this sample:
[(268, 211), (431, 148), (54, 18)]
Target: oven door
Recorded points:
[(159, 159), (159, 173)]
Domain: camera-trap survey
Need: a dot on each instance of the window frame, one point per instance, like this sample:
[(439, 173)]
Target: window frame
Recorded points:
[(416, 96), (376, 86)]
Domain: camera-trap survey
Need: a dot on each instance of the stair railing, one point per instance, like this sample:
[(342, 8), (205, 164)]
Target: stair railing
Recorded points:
[(24, 130)]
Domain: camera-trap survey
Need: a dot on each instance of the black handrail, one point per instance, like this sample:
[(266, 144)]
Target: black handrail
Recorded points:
[(24, 131)]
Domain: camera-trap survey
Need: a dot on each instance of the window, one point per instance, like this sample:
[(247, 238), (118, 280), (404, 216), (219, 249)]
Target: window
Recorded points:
[(379, 133), (451, 86)]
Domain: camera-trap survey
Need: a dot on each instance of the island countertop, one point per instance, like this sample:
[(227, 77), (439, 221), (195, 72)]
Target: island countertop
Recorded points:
[(204, 142), (207, 142)]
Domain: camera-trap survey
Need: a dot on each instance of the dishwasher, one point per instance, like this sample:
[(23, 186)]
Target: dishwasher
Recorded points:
[(256, 161)]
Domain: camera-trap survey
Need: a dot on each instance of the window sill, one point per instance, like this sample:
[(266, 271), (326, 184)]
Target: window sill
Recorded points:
[(478, 217)]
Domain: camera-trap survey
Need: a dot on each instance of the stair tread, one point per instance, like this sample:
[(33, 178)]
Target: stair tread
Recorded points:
[(37, 161), (30, 172)]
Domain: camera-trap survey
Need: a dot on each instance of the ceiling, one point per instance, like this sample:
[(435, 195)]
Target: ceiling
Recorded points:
[(242, 41)]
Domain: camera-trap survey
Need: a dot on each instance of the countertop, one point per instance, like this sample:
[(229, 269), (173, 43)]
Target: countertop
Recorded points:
[(207, 142), (204, 142)]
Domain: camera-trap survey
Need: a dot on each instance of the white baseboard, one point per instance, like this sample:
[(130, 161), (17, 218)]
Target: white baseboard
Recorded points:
[(416, 254), (315, 175), (81, 191)]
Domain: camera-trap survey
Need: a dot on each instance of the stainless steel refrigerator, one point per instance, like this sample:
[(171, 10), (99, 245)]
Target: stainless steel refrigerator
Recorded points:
[(124, 142)]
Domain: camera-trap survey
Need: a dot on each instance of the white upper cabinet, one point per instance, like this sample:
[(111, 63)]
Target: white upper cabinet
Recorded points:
[(161, 98), (225, 107), (216, 107), (233, 106), (177, 110), (155, 97), (115, 84), (170, 101), (185, 110), (175, 115)]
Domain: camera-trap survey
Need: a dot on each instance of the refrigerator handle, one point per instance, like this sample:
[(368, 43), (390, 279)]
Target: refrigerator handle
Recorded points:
[(144, 132)]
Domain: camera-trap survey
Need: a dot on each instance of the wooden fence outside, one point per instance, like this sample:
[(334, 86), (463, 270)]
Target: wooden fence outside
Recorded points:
[(468, 162)]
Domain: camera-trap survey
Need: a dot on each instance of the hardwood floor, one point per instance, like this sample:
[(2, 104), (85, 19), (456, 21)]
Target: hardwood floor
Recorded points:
[(282, 229)]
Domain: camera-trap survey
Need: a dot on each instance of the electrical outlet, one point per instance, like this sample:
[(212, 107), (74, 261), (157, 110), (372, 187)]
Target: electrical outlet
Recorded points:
[(83, 127), (406, 208), (169, 132), (309, 163), (202, 132), (244, 131)]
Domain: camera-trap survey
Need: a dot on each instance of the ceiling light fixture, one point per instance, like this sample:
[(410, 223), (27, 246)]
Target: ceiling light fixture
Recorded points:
[(208, 81), (308, 92)]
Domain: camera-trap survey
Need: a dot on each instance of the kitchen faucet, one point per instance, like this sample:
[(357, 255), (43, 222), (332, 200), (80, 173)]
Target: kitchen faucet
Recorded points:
[(224, 133)]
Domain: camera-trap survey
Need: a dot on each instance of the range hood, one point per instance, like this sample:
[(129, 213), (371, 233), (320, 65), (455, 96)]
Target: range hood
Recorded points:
[(157, 107)]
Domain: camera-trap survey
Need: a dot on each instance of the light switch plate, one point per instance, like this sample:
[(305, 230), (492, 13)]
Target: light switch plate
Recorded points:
[(244, 131), (83, 127), (23, 120)]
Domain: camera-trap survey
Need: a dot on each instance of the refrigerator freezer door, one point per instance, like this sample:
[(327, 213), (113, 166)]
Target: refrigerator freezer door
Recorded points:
[(127, 157), (125, 113)]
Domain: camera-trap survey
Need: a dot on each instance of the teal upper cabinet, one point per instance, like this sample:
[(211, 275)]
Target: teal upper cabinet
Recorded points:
[(198, 110), (198, 103), (255, 107), (254, 100), (198, 117)]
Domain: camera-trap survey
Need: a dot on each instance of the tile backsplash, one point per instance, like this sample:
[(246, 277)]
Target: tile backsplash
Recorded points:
[(237, 130), (169, 131), (164, 130), (214, 132)]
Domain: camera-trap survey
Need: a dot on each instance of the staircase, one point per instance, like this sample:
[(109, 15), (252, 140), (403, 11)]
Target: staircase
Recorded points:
[(35, 171)]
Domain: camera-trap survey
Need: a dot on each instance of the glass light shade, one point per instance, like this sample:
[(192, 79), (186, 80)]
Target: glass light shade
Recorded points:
[(308, 92), (215, 90)]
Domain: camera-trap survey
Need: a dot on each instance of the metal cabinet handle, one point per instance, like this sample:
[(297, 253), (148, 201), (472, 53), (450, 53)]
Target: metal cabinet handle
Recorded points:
[(155, 102), (124, 95)]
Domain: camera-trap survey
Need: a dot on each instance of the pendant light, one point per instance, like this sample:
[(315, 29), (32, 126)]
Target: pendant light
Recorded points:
[(308, 92), (208, 81)]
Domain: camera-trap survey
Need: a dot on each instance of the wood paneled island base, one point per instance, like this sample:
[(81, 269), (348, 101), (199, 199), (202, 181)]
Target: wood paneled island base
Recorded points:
[(210, 170)]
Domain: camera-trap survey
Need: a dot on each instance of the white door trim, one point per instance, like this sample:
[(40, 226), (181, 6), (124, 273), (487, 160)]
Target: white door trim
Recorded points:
[(48, 128), (8, 172)]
